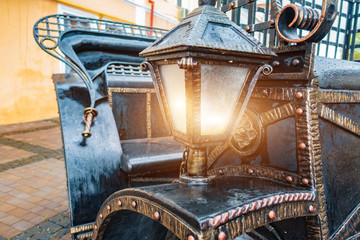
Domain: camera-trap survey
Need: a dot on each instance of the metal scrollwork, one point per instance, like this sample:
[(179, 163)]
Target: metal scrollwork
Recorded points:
[(293, 17)]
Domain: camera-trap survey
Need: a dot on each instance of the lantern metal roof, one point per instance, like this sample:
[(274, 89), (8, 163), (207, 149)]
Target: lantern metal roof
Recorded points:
[(209, 30)]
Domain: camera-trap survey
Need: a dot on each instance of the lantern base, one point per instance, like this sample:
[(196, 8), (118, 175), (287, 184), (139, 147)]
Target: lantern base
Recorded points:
[(196, 180)]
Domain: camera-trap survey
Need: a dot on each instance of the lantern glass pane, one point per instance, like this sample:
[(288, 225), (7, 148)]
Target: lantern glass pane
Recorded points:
[(221, 87), (173, 80)]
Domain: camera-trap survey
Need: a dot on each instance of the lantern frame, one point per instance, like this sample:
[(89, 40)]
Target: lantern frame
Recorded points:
[(192, 136)]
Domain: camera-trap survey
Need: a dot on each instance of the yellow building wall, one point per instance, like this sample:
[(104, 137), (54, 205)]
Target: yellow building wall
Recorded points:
[(26, 89)]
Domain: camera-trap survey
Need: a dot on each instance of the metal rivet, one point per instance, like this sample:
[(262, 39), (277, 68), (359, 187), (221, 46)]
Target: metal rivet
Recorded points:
[(311, 208), (247, 28), (272, 21), (221, 172), (299, 95), (305, 181), (231, 5), (101, 216), (95, 227), (299, 111), (190, 237), (264, 92), (302, 146), (157, 216), (295, 62), (289, 179), (119, 203), (275, 63), (133, 204), (271, 214), (108, 207), (222, 236), (250, 171)]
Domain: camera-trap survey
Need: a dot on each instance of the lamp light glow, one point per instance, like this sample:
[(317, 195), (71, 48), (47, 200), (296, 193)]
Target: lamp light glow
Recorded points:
[(204, 71)]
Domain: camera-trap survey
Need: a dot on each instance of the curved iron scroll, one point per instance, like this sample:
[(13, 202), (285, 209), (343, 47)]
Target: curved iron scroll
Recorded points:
[(48, 33), (48, 30), (293, 17)]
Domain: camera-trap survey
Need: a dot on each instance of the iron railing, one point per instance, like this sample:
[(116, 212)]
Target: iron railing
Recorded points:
[(342, 41)]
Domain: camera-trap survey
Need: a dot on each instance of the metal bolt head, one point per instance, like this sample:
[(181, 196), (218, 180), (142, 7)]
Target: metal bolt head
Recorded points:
[(119, 203), (190, 237), (222, 236), (247, 28), (231, 5), (221, 172), (101, 216), (299, 95), (275, 63), (250, 171), (305, 181), (299, 111), (272, 21), (108, 207), (289, 179), (95, 227), (295, 62), (264, 92), (302, 146), (157, 216), (133, 204), (271, 214), (311, 208)]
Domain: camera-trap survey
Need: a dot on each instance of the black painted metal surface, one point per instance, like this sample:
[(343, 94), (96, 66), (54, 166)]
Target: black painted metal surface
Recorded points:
[(337, 74), (341, 168), (92, 175), (152, 155), (196, 203)]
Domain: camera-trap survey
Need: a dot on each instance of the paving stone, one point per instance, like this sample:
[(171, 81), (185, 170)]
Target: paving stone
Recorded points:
[(48, 138), (8, 154), (29, 126)]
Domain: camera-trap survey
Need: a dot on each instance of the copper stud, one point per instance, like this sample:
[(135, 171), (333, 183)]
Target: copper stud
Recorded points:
[(264, 92), (311, 208), (191, 237), (299, 95), (305, 181), (157, 216), (222, 236), (275, 63), (101, 216), (133, 204), (250, 171), (295, 62), (231, 5), (272, 21), (271, 214), (119, 203), (302, 146), (299, 111), (247, 28), (108, 208), (221, 172), (289, 179)]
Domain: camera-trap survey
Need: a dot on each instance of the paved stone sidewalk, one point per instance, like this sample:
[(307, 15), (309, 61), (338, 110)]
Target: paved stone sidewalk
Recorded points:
[(33, 197)]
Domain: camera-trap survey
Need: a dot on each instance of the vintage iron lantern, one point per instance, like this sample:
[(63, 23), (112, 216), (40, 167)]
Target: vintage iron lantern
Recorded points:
[(204, 71)]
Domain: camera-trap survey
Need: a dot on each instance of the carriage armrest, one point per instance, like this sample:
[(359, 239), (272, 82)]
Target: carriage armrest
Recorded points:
[(149, 156)]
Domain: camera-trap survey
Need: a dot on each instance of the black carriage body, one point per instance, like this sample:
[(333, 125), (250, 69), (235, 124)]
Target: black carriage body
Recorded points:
[(292, 174)]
